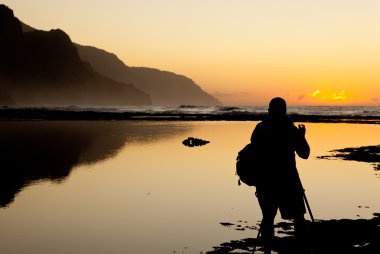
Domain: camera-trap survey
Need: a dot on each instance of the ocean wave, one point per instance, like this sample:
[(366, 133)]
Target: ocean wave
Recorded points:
[(321, 111)]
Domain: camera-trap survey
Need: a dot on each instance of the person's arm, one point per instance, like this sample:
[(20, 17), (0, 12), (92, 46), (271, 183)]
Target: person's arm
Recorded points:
[(303, 148)]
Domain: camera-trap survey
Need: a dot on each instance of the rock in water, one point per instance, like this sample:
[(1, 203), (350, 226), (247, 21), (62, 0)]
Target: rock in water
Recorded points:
[(191, 142)]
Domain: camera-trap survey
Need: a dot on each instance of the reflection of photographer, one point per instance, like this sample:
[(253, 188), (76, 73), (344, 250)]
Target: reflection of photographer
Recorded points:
[(277, 140)]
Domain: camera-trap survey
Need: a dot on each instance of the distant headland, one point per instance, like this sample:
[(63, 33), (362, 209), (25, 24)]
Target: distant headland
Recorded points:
[(45, 68)]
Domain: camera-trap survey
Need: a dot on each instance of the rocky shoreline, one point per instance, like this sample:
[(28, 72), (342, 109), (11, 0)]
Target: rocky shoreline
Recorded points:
[(370, 154), (326, 237)]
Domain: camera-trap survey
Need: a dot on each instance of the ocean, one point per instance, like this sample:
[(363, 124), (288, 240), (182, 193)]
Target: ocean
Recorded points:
[(339, 111)]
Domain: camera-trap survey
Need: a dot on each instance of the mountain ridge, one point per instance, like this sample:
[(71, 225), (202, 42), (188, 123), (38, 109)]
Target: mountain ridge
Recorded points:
[(166, 88), (43, 68)]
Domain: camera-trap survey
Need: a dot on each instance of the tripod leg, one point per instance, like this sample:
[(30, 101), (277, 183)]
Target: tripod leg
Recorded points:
[(308, 207), (311, 251)]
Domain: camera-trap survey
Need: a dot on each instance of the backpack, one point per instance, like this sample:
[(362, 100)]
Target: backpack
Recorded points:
[(248, 166)]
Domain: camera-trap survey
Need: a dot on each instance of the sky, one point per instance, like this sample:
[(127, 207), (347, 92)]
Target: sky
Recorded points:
[(244, 52)]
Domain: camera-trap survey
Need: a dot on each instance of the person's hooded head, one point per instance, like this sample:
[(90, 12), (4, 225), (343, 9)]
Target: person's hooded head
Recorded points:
[(277, 108)]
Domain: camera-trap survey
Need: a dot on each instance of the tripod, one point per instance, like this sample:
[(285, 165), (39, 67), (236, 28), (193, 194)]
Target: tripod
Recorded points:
[(308, 209)]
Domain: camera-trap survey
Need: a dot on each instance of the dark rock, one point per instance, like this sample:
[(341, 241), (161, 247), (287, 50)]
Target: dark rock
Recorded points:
[(191, 142), (369, 154)]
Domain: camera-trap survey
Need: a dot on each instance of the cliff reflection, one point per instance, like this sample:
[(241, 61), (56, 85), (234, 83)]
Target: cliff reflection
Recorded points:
[(42, 150)]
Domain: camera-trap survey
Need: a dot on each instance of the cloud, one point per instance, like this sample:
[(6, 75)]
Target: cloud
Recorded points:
[(329, 95), (375, 99), (316, 93), (339, 95), (231, 95), (301, 97)]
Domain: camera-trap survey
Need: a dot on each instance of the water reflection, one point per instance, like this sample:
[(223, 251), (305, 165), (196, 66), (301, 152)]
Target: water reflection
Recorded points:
[(155, 184), (42, 150)]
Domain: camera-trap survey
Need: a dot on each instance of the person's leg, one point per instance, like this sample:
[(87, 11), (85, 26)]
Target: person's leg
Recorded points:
[(299, 226), (292, 207), (267, 232), (301, 234), (269, 209)]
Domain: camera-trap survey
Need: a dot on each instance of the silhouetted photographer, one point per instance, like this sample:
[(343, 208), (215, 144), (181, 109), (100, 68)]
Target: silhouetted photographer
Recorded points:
[(277, 140)]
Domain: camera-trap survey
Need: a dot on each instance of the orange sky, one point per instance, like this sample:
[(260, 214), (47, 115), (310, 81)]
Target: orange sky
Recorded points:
[(324, 52)]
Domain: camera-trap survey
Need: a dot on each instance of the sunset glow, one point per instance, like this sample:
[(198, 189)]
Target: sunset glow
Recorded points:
[(330, 96), (243, 52)]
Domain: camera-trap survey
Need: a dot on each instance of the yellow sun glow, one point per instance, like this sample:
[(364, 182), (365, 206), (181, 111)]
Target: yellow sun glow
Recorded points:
[(330, 95)]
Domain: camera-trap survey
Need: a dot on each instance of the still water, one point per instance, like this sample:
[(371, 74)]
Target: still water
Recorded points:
[(132, 187)]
